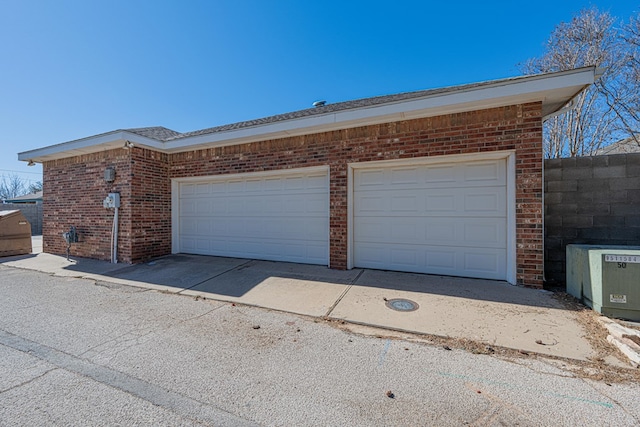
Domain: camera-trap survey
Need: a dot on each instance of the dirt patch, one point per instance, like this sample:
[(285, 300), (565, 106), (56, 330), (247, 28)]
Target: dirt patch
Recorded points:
[(596, 369), (595, 332)]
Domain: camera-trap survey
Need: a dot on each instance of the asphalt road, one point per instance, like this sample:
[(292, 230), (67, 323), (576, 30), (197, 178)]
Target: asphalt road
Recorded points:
[(77, 352)]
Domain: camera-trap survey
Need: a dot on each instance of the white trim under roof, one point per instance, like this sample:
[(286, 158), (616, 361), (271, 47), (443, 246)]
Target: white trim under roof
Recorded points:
[(554, 90)]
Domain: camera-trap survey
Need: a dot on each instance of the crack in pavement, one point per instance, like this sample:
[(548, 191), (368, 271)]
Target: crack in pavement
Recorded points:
[(344, 293), (29, 380), (184, 406), (215, 275)]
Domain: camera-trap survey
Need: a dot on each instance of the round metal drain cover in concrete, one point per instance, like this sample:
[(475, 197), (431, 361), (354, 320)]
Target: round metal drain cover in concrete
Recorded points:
[(401, 304)]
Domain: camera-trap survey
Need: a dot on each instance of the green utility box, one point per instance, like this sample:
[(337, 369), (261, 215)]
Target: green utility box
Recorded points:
[(606, 278)]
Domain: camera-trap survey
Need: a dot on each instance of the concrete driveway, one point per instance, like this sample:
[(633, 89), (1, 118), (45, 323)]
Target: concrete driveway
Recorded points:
[(488, 311)]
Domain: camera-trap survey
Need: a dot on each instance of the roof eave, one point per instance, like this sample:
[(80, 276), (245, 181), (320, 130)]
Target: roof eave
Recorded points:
[(553, 90), (93, 144)]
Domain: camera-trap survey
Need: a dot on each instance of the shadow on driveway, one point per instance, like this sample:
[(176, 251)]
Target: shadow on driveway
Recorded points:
[(235, 277)]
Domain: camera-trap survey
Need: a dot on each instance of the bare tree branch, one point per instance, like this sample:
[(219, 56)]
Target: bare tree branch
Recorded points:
[(609, 110), (11, 187)]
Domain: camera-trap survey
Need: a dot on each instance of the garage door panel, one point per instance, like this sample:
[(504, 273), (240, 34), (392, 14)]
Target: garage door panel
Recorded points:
[(370, 178), (441, 219), (469, 202), (440, 231), (469, 262), (281, 218), (187, 190), (405, 176), (491, 171), (188, 206), (203, 226), (485, 201), (461, 175), (272, 184), (268, 249), (487, 262), (439, 203), (253, 186), (296, 206), (406, 257), (370, 203), (440, 260), (482, 232), (316, 205), (317, 182), (404, 231), (216, 188), (374, 256), (441, 175), (371, 230), (219, 226), (316, 254), (405, 203), (486, 233)]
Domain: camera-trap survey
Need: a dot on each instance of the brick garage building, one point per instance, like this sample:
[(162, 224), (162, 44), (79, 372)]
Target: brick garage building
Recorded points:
[(446, 181)]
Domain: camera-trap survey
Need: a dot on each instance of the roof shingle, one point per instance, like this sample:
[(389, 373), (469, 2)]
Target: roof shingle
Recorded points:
[(342, 106), (155, 132)]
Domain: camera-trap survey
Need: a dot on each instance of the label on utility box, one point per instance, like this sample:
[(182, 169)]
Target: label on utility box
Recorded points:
[(633, 259), (619, 298)]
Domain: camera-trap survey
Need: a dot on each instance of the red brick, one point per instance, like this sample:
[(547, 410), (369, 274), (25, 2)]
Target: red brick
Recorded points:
[(74, 188)]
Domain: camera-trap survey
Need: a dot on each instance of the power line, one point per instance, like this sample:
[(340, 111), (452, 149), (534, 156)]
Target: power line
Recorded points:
[(8, 170)]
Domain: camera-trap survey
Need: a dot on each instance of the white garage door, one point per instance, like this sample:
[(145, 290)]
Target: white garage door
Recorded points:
[(283, 217), (448, 219)]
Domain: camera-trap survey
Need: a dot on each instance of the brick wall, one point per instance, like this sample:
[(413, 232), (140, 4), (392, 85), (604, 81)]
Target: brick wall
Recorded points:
[(151, 205), (508, 128), (75, 187), (75, 191), (590, 200)]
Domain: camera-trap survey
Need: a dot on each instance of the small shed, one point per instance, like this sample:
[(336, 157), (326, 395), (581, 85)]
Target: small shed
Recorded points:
[(15, 234)]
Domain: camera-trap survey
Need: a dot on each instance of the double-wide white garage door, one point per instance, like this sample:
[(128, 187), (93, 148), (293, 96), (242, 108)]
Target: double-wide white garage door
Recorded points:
[(445, 218), (448, 219), (281, 217)]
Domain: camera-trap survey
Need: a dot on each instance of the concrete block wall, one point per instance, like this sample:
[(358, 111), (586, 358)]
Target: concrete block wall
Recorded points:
[(589, 200)]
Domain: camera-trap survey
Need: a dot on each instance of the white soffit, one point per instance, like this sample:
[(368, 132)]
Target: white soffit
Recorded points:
[(554, 90)]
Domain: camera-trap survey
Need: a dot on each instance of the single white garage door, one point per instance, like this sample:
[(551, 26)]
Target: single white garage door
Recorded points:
[(448, 219), (282, 217)]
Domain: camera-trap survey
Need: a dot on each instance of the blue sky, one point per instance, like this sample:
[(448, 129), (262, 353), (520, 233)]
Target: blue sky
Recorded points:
[(71, 69)]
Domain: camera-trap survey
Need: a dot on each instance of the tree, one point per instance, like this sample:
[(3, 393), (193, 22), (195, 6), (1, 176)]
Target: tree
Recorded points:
[(34, 187), (606, 111), (631, 75), (11, 187)]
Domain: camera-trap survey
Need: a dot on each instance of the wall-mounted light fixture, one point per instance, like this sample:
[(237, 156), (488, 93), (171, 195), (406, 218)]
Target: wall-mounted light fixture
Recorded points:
[(128, 144), (31, 163)]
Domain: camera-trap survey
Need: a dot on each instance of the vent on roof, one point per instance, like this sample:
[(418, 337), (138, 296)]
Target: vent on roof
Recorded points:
[(319, 103)]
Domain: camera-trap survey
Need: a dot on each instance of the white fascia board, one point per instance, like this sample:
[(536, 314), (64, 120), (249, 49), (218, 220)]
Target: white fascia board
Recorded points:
[(536, 88), (92, 144)]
